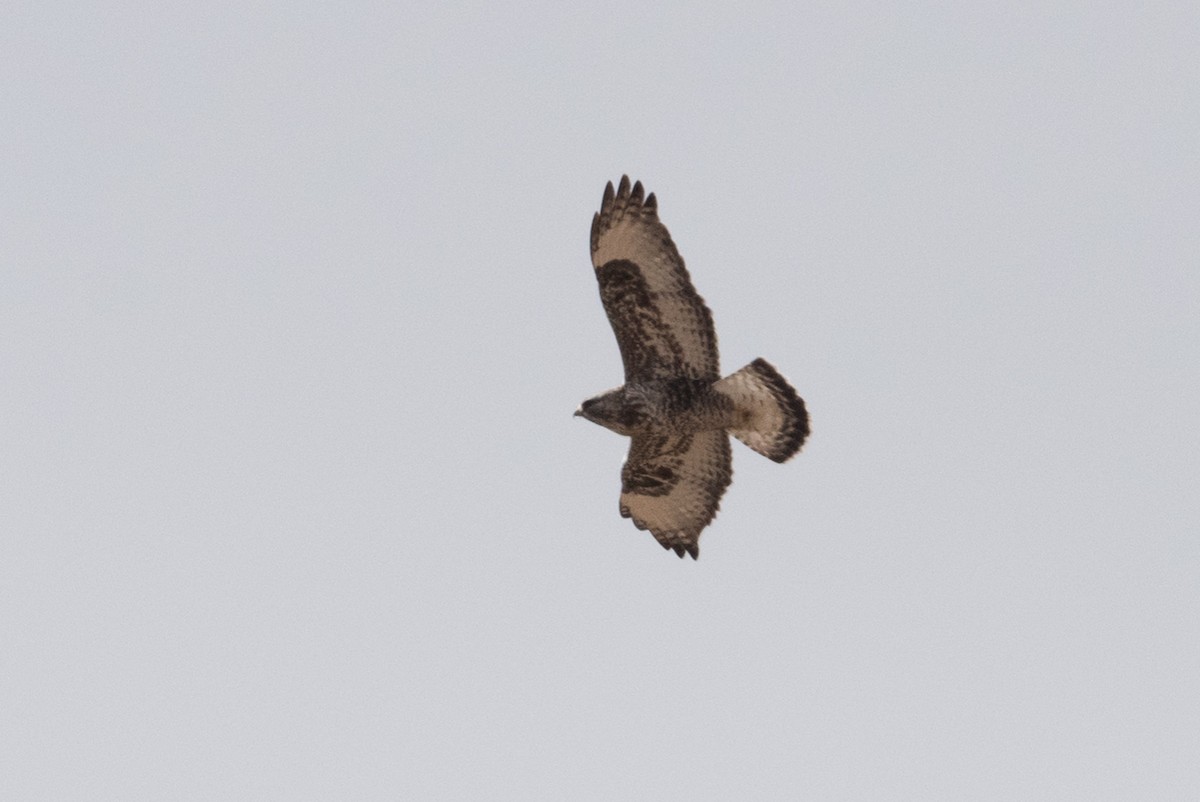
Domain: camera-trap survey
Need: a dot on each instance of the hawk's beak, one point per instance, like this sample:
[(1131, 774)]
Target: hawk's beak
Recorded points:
[(579, 412)]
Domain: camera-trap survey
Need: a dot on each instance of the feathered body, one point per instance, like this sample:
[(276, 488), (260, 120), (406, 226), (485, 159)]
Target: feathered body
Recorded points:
[(674, 405)]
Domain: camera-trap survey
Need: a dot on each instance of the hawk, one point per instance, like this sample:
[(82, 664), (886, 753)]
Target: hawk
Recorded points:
[(674, 406)]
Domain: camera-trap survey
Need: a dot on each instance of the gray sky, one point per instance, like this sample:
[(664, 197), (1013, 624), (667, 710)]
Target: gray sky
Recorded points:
[(295, 307)]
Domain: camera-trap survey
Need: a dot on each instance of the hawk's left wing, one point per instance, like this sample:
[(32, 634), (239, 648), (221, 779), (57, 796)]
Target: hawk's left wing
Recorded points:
[(672, 485), (663, 328)]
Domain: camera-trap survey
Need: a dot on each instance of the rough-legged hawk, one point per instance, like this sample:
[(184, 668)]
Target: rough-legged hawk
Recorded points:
[(674, 405)]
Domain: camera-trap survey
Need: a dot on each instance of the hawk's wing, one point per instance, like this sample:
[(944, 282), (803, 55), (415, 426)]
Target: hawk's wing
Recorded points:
[(672, 485), (663, 328)]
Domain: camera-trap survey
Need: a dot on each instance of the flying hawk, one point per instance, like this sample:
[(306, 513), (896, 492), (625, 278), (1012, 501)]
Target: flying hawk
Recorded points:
[(674, 405)]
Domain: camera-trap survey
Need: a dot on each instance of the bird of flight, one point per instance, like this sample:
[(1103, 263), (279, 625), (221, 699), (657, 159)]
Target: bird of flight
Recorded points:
[(674, 406)]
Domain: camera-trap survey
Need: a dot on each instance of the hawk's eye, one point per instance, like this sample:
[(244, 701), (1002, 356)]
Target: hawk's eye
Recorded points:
[(632, 416)]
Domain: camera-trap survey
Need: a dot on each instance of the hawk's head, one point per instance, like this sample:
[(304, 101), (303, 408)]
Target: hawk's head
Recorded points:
[(618, 410)]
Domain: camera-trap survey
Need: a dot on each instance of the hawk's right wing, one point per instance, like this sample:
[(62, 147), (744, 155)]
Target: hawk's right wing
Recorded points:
[(672, 485), (663, 328)]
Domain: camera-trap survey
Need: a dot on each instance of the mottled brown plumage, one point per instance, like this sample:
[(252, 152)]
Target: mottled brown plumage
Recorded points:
[(674, 404)]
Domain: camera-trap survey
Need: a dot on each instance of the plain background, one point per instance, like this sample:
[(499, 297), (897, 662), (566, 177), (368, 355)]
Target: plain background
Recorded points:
[(295, 307)]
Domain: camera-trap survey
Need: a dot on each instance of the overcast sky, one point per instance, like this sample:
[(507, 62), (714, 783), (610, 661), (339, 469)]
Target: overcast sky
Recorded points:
[(296, 306)]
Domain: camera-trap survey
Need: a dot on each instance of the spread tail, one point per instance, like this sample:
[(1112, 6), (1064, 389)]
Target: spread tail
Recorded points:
[(771, 418)]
